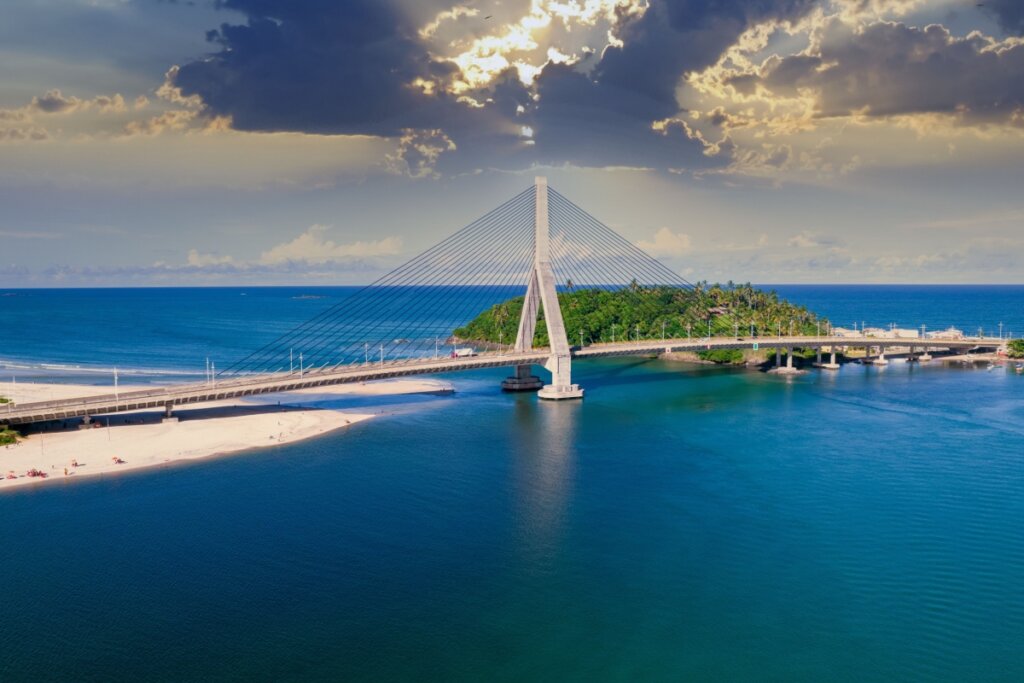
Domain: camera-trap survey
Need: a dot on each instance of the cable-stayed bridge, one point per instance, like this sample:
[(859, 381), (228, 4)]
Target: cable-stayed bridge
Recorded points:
[(535, 246)]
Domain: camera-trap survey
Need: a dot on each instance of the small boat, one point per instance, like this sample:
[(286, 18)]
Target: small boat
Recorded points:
[(1020, 368)]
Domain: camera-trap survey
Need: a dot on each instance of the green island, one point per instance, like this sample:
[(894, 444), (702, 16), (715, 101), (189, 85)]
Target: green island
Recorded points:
[(639, 312), (1015, 348)]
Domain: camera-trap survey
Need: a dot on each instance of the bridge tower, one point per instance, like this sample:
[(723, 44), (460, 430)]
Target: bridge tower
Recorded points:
[(542, 294)]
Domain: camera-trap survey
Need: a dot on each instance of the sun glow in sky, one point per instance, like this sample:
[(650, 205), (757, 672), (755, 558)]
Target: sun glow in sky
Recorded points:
[(764, 140)]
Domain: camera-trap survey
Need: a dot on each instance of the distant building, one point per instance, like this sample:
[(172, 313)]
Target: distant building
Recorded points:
[(892, 333), (951, 333)]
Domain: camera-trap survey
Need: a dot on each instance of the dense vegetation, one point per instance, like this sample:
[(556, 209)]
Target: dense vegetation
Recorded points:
[(7, 436), (651, 312), (724, 356), (1015, 349)]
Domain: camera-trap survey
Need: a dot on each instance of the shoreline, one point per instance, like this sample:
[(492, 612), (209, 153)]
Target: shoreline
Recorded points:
[(143, 440)]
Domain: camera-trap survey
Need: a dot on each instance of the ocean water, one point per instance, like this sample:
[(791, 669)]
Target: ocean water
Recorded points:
[(680, 523)]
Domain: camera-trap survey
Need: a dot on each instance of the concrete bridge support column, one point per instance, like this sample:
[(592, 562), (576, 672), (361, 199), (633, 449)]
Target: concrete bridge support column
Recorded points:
[(86, 423), (778, 357), (789, 358), (831, 365), (169, 413), (881, 357), (522, 380)]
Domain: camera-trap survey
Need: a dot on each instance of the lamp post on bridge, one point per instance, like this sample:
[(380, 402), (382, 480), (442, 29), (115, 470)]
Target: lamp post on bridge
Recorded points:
[(662, 330), (613, 333), (689, 327), (638, 333), (366, 353), (1000, 331), (382, 355), (581, 339)]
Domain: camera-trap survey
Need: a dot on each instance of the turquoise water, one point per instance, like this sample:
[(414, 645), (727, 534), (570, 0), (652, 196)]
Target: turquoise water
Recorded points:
[(678, 524)]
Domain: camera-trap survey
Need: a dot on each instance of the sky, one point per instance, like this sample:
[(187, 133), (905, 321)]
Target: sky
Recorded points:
[(263, 142)]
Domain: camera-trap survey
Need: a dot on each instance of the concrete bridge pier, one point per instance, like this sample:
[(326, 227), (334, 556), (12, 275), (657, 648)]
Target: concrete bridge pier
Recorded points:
[(912, 358), (86, 422), (778, 357), (881, 357), (831, 365), (169, 415), (789, 358), (522, 380), (925, 356)]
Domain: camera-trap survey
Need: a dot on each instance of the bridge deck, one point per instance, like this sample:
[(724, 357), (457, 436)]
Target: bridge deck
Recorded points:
[(268, 384)]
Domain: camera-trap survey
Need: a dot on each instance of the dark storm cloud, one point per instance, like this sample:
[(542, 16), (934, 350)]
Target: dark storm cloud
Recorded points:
[(608, 113), (891, 69), (320, 66), (345, 66)]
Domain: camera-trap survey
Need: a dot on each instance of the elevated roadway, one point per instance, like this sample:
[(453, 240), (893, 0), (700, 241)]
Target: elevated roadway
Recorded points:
[(168, 398)]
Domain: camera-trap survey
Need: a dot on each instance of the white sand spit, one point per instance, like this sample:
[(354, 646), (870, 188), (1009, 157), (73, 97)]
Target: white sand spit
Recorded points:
[(143, 440)]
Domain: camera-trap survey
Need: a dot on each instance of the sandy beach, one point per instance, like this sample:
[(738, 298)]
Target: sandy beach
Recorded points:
[(143, 439)]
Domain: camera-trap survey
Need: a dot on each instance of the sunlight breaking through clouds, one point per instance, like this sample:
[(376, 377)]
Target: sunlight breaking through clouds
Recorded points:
[(525, 44)]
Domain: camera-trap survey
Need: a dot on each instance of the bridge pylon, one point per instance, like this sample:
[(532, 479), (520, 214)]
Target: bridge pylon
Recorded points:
[(542, 294)]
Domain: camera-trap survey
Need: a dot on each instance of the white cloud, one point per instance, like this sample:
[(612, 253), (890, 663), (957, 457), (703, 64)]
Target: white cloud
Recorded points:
[(666, 243), (199, 260), (313, 246), (804, 240), (418, 152)]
